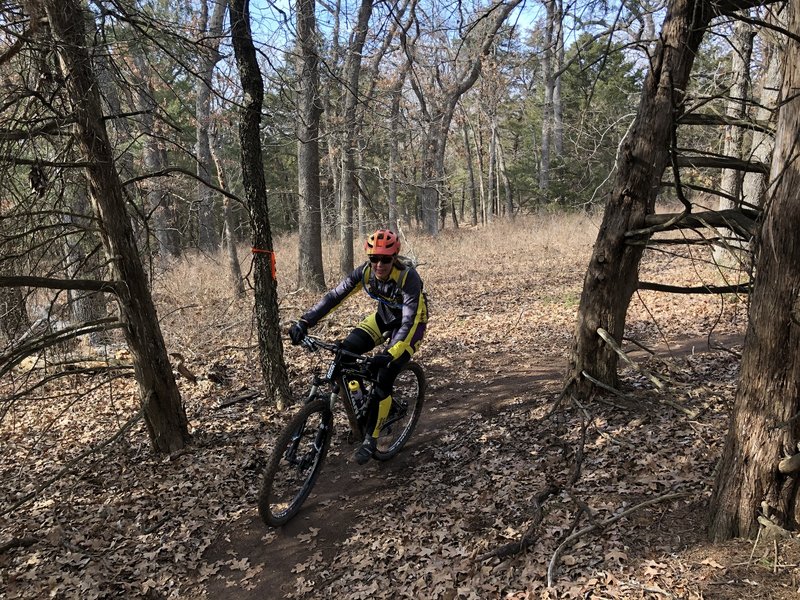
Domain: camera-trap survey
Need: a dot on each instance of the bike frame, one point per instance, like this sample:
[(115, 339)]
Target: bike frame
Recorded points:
[(335, 377)]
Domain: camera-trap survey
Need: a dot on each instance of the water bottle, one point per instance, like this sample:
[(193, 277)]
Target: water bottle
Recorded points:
[(356, 394)]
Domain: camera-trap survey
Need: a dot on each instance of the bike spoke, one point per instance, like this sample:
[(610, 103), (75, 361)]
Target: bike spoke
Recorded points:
[(296, 461)]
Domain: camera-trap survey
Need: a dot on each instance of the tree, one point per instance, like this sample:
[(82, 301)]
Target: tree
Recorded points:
[(273, 366), (612, 275), (438, 90), (752, 480), (208, 56), (736, 110), (349, 184), (310, 271), (159, 396)]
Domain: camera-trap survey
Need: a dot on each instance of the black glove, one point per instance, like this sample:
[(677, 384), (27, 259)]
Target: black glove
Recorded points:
[(380, 360), (298, 331)]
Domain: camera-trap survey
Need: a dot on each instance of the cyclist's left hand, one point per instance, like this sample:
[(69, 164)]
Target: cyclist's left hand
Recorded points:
[(381, 360)]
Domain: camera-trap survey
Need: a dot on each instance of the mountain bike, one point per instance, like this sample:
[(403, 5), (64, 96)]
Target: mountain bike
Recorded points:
[(300, 449)]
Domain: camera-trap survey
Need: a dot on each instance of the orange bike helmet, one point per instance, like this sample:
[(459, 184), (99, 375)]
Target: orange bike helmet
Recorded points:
[(383, 242)]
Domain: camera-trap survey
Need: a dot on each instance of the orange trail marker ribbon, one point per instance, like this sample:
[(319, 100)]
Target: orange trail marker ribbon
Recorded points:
[(271, 255)]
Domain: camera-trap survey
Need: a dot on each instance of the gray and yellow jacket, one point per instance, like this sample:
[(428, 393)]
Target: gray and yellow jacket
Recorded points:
[(402, 306)]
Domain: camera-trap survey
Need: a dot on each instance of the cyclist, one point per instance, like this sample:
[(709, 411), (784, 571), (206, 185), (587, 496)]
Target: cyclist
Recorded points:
[(401, 315)]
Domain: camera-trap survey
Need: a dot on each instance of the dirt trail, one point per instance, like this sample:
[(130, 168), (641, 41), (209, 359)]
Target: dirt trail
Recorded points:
[(344, 490)]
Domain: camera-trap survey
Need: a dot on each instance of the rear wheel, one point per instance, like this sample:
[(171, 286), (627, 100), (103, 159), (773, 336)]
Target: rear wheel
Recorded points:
[(408, 396), (295, 463)]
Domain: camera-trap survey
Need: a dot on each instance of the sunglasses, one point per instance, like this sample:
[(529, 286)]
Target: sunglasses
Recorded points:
[(384, 260)]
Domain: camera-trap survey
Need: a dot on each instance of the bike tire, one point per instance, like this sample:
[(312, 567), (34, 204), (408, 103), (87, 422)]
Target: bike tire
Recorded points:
[(295, 463), (408, 395)]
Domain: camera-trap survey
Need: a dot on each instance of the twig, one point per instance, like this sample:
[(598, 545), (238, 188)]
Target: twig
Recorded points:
[(576, 471), (602, 433), (529, 537), (22, 542), (609, 388), (157, 525), (240, 398), (755, 544), (612, 342), (603, 525)]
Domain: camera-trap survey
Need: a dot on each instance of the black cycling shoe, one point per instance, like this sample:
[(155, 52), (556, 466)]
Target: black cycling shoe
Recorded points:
[(365, 451)]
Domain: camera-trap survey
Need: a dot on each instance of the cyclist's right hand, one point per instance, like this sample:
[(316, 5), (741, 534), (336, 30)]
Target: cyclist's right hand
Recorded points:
[(298, 331)]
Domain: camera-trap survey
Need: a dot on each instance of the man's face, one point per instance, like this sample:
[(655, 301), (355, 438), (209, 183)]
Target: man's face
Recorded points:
[(382, 265)]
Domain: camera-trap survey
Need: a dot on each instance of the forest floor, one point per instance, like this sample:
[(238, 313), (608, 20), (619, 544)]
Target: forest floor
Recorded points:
[(443, 520)]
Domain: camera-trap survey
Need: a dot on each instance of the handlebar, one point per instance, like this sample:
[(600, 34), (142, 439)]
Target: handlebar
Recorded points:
[(312, 344)]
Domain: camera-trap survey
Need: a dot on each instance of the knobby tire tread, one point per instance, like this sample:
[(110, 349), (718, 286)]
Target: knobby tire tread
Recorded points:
[(276, 463), (415, 414)]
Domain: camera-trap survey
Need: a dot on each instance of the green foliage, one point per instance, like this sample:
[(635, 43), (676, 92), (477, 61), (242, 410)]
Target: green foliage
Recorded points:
[(601, 91)]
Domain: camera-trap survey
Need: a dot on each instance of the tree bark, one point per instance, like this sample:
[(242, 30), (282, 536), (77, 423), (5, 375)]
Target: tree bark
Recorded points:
[(612, 275), (558, 55), (549, 88), (493, 192), (754, 184), (229, 241), (503, 176), (394, 148), (731, 183), (473, 192), (438, 107), (86, 306), (310, 271), (349, 189), (764, 426), (270, 345), (158, 200), (208, 56), (161, 401)]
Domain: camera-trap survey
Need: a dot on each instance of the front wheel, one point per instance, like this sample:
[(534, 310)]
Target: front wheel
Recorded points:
[(408, 396), (295, 463)]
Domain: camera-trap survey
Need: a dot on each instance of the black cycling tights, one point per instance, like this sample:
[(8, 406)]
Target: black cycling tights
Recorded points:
[(360, 342)]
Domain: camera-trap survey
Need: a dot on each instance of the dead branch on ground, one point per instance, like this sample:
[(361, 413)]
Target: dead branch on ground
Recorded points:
[(551, 569)]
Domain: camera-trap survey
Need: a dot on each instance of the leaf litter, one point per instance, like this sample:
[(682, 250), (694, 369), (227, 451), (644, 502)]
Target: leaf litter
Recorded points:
[(127, 523)]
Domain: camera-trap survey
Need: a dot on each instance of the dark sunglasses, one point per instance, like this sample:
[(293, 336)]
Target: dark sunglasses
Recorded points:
[(384, 260)]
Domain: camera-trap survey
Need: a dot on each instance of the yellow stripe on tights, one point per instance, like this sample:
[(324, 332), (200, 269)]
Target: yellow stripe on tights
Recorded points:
[(383, 412)]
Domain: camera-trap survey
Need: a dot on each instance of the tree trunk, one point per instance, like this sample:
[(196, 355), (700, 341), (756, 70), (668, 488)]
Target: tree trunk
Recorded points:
[(349, 188), (208, 56), (310, 271), (266, 297), (85, 306), (558, 56), (471, 171), (731, 183), (549, 86), (502, 175), (492, 192), (158, 200), (234, 269), (14, 319), (764, 425), (754, 184), (161, 401), (612, 275), (429, 195), (394, 149)]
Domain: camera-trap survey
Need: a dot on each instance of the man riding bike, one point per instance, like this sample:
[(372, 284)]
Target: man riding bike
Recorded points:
[(401, 315)]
